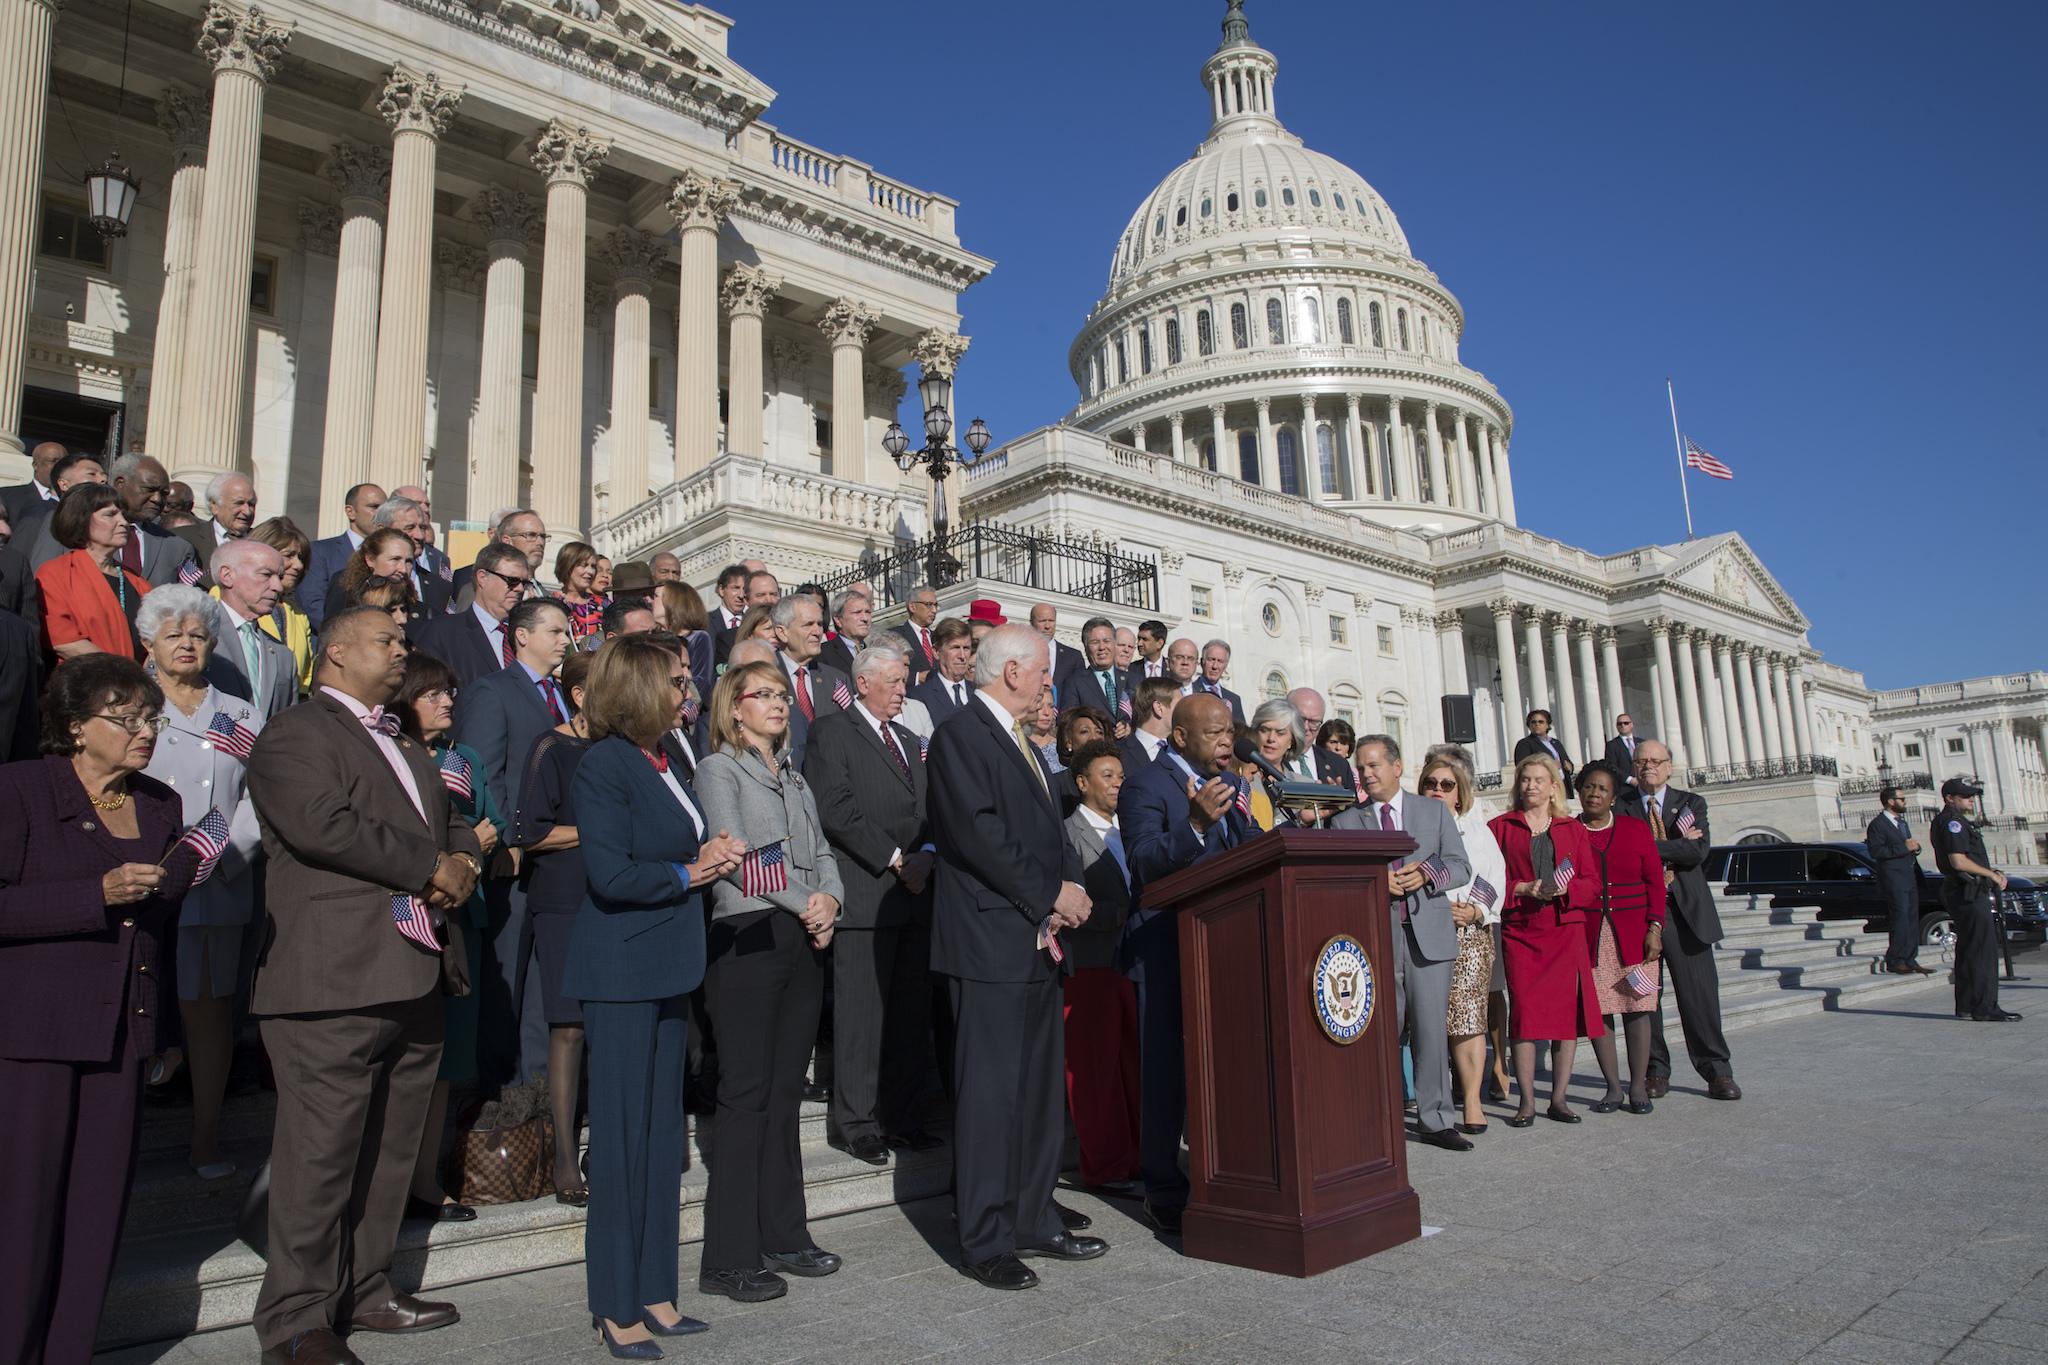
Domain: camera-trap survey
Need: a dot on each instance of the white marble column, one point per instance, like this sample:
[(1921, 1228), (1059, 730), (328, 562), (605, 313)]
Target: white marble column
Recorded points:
[(25, 27), (1739, 739), (1669, 728), (1715, 715), (1433, 444), (1398, 457), (419, 110), (1269, 469), (1512, 705), (567, 158), (1177, 448), (1689, 693), (636, 257), (1781, 697), (245, 50), (1357, 479), (1138, 437), (1503, 476), (1450, 639), (746, 294), (1610, 676), (1220, 434), (184, 117), (1767, 714), (497, 444), (1802, 714), (1540, 694), (1310, 456), (1461, 457), (362, 175), (848, 324), (1752, 722), (1595, 712), (1567, 694), (699, 204)]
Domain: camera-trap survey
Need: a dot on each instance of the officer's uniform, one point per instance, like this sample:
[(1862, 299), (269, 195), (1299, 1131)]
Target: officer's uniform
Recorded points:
[(1969, 901)]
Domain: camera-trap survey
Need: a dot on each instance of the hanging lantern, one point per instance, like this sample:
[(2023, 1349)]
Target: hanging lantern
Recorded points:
[(110, 193)]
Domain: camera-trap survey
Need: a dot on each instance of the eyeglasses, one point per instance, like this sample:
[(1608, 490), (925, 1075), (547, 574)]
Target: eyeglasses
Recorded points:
[(773, 696), (1653, 763), (517, 585), (1439, 784), (135, 725), (679, 681), (438, 694), (523, 535)]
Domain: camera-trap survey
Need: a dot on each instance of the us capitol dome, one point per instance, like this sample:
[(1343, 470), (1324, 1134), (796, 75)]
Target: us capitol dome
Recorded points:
[(1265, 318)]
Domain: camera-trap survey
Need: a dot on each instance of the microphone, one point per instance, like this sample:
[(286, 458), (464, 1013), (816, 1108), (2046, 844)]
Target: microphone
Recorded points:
[(1248, 752)]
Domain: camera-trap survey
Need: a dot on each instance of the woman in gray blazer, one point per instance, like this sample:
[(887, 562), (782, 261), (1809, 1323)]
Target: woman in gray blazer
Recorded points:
[(763, 986), (199, 755)]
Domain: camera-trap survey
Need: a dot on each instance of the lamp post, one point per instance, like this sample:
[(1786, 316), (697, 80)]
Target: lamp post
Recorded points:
[(939, 455)]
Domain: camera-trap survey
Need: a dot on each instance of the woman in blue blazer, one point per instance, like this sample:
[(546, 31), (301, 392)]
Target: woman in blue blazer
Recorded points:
[(635, 953)]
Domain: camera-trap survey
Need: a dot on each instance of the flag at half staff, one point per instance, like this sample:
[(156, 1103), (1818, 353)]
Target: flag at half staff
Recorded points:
[(1695, 458)]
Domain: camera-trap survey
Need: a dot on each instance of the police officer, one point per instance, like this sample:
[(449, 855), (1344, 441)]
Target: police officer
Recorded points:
[(1967, 877)]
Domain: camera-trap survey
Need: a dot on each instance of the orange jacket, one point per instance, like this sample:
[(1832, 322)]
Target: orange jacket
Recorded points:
[(78, 604)]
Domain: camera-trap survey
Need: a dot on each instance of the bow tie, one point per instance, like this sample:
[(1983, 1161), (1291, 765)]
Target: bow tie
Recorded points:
[(382, 722)]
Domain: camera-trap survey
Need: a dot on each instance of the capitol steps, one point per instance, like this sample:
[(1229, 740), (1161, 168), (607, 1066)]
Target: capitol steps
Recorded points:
[(1779, 963)]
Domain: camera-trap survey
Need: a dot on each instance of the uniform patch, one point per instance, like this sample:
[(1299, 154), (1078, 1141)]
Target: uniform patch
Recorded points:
[(1955, 827)]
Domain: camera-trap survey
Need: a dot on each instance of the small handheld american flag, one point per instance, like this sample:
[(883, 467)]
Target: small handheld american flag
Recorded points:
[(1049, 939), (209, 839), (1685, 823), (924, 748), (1562, 878), (1642, 979), (842, 695), (230, 734), (763, 871), (410, 915), (1244, 798), (1483, 893), (1439, 876), (455, 774), (190, 573), (1695, 458)]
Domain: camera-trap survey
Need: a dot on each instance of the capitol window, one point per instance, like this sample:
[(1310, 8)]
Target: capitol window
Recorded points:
[(1180, 216), (1205, 334), (1315, 199), (1123, 363), (1159, 226), (1344, 332), (1386, 639), (1954, 746), (1198, 603), (1401, 326), (1248, 456), (1287, 195), (1173, 341), (1239, 334), (1205, 207), (1379, 332), (68, 235), (1276, 323), (1311, 327), (1269, 617), (1326, 458), (1337, 631), (1276, 683), (1290, 462), (1912, 751), (1259, 198), (1209, 455), (1340, 202)]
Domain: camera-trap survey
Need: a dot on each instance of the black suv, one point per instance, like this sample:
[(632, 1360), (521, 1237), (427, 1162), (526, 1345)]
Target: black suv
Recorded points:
[(1840, 882)]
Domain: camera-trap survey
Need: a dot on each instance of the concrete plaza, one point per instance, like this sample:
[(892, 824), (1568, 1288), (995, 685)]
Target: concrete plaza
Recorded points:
[(1878, 1195)]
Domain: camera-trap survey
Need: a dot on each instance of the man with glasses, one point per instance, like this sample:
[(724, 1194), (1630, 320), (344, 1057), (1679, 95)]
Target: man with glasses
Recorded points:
[(330, 556), (923, 607), (1621, 749), (152, 553), (475, 642), (1182, 659), (814, 688), (524, 531)]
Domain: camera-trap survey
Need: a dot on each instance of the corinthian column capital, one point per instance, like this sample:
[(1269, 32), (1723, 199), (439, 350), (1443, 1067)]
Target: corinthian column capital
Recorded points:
[(1502, 608), (186, 117), (564, 154), (360, 172), (243, 40), (848, 323), (746, 290), (635, 257), (938, 352), (699, 201), (416, 103), (504, 215)]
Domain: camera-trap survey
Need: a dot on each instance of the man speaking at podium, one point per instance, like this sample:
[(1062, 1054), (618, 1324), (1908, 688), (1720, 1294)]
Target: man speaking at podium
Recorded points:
[(1175, 812)]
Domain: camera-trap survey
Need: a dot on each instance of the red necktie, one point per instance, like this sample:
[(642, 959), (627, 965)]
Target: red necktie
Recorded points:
[(924, 638), (505, 643), (547, 691), (803, 694), (895, 750), (131, 553)]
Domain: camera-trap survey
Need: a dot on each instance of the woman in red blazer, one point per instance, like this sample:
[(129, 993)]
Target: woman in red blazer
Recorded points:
[(1627, 931), (1552, 883), (89, 600)]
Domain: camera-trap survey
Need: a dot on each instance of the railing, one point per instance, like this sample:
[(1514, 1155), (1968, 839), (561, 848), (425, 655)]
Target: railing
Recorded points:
[(997, 553), (1805, 765), (804, 162), (1871, 786), (1488, 782), (745, 483), (852, 183), (891, 197)]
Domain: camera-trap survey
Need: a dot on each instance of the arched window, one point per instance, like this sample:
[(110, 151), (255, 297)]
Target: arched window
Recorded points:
[(1290, 461), (1379, 331), (1276, 685), (1123, 363), (1344, 332), (1230, 202), (1159, 226), (1207, 203), (1144, 348), (1340, 202), (1205, 333), (1209, 454), (1180, 216), (1240, 335), (1101, 369), (1173, 341), (1326, 460), (1259, 198), (1276, 323), (1311, 328), (1287, 195), (1401, 326), (1315, 199), (1248, 456)]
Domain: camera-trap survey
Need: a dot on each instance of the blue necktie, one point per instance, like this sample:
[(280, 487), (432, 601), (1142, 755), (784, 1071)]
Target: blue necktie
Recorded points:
[(1113, 840)]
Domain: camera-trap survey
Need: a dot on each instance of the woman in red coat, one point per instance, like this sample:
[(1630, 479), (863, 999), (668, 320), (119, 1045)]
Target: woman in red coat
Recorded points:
[(1627, 932), (1552, 883)]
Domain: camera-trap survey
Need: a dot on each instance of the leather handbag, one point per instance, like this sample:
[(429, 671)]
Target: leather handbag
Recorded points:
[(508, 1165)]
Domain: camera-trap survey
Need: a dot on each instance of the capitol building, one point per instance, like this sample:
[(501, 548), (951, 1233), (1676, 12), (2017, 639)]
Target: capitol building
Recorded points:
[(554, 253)]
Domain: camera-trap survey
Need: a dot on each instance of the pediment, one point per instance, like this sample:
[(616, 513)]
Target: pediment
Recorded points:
[(1730, 572), (660, 42)]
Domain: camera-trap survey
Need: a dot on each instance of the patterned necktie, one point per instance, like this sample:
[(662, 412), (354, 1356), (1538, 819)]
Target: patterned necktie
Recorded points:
[(1656, 804), (379, 721), (895, 750), (552, 698), (1030, 756), (803, 694), (924, 639), (505, 643), (1108, 680)]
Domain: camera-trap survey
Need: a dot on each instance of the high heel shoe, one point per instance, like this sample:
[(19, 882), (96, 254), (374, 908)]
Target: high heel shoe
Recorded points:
[(686, 1326), (1472, 1129), (625, 1350)]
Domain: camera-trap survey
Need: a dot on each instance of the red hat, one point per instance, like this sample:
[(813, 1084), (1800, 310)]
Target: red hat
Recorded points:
[(987, 609)]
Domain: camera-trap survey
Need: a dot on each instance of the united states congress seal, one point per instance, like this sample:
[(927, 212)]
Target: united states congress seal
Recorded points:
[(1343, 989)]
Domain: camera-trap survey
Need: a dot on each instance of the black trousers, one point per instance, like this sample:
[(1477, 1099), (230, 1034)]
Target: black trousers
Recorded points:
[(1688, 965), (1977, 930), (764, 986), (1009, 1122), (512, 1024), (1153, 950), (881, 1021), (1902, 907), (636, 1153)]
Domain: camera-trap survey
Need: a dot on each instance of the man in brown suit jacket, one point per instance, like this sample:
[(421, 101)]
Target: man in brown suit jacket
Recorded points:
[(355, 818)]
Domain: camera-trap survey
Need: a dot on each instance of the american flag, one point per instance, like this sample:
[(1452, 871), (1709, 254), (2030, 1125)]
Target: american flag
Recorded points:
[(231, 735), (763, 871), (1439, 875), (410, 916), (1685, 824), (1049, 939), (455, 774), (1695, 458), (1123, 706), (209, 839), (1483, 894), (1562, 878), (1244, 798), (190, 573), (1642, 979), (924, 748), (841, 695)]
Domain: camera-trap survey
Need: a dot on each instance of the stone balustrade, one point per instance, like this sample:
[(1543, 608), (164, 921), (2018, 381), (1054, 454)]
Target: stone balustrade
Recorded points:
[(846, 180), (765, 489)]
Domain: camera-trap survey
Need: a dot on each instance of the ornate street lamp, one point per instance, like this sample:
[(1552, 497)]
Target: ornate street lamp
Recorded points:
[(939, 456)]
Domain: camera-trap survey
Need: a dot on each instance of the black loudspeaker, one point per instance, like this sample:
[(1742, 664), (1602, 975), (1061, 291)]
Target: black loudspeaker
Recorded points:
[(1460, 725)]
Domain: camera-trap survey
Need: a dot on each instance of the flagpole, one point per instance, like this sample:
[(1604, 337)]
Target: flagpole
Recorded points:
[(1678, 442)]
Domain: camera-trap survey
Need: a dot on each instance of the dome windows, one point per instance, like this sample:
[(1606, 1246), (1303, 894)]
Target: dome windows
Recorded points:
[(1173, 341), (1315, 199), (1159, 226), (1287, 196), (1276, 323), (1144, 348), (1207, 204), (1123, 363), (1377, 323), (1339, 199), (1248, 456), (1309, 330), (1401, 326), (1205, 333), (1344, 331), (1240, 332), (1290, 461), (1180, 216), (1259, 198), (1230, 202)]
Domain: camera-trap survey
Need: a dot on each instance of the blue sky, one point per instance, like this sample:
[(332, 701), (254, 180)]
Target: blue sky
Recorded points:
[(1827, 220)]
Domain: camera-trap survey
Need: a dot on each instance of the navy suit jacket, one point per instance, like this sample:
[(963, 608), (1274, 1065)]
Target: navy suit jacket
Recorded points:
[(18, 591), (459, 641), (501, 715), (1065, 659), (1084, 689), (919, 664), (1159, 839), (1898, 868), (826, 685), (639, 934), (1230, 698), (329, 558), (938, 697)]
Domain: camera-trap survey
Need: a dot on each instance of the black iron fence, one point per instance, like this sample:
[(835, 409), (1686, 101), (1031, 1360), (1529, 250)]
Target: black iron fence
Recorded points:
[(1805, 765), (997, 553), (1871, 786)]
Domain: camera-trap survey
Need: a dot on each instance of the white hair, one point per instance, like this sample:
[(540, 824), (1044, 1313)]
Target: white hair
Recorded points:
[(875, 658), (783, 614), (1286, 714), (1017, 643), (125, 467), (173, 603), (393, 508), (1223, 645), (234, 554), (217, 487)]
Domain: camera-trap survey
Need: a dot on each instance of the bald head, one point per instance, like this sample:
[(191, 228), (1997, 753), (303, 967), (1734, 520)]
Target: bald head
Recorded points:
[(755, 651), (1203, 732), (1653, 766), (45, 457), (1308, 704)]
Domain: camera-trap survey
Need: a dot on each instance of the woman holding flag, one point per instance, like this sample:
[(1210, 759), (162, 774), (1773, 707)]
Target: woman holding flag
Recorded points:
[(205, 741), (1552, 883), (1626, 937), (426, 712), (764, 986), (1475, 909)]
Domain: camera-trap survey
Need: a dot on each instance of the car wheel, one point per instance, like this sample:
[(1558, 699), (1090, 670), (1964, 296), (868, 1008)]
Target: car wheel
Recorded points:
[(1938, 931)]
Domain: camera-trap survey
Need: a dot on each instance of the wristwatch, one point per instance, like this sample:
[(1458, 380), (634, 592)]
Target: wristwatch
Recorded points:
[(470, 858)]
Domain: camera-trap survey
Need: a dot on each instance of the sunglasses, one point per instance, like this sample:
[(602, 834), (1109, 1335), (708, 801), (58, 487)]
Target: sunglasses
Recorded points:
[(1440, 784), (773, 696)]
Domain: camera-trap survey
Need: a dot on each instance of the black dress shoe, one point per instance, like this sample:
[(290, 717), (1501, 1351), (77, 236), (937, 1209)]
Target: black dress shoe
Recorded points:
[(404, 1313), (1165, 1219), (317, 1347), (1521, 1121), (870, 1149), (1631, 1107), (625, 1350), (816, 1093), (1657, 1087), (1560, 1116), (1067, 1247), (686, 1326), (1996, 1017), (812, 1263), (1723, 1088), (1446, 1139), (743, 1286), (916, 1140), (420, 1210), (1004, 1272), (1073, 1220)]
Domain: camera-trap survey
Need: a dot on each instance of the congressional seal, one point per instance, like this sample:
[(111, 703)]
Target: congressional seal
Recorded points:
[(1343, 989)]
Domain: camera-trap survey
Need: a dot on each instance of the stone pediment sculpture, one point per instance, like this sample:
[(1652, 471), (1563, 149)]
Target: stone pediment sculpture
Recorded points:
[(1731, 573)]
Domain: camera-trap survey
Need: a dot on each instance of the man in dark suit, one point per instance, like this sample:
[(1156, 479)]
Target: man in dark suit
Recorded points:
[(1099, 682), (1315, 763), (231, 502), (1066, 660), (354, 818), (1897, 855), (410, 520), (18, 593), (474, 640), (501, 715), (1007, 886), (1178, 811), (852, 616), (22, 501), (20, 686), (923, 607), (152, 553), (728, 605), (524, 531), (1152, 706), (1621, 748), (1151, 659), (38, 534), (1539, 740), (1678, 822), (868, 775), (430, 558), (1216, 667), (813, 688), (1183, 664), (330, 556), (246, 662), (950, 686)]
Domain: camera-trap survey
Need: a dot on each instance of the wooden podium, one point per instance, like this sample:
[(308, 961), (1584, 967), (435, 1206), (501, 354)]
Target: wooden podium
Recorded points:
[(1297, 1155)]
